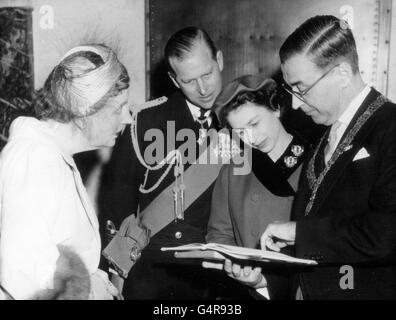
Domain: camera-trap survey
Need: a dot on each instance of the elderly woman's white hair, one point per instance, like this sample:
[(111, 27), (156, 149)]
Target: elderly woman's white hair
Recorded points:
[(81, 83)]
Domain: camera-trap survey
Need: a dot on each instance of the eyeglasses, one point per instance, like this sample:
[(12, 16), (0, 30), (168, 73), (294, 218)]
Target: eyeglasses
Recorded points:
[(300, 94)]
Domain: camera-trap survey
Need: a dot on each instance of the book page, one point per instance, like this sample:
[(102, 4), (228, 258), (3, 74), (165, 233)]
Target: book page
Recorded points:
[(239, 253)]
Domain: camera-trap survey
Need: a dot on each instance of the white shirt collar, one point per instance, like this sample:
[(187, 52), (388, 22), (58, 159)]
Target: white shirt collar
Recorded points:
[(347, 116), (196, 112), (350, 112)]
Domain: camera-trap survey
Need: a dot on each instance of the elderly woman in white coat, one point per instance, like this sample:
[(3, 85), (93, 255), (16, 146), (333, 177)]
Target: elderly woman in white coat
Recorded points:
[(49, 238)]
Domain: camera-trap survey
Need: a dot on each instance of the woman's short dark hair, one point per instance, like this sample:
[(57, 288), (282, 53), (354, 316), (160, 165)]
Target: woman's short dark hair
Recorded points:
[(55, 101), (325, 40), (270, 96)]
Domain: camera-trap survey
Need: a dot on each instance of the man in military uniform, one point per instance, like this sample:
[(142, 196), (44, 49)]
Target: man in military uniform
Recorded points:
[(195, 67)]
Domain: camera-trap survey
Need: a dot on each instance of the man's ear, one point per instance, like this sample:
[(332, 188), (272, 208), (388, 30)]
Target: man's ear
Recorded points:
[(346, 73), (219, 59), (172, 77)]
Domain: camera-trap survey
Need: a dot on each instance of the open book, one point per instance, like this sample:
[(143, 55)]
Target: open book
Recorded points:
[(217, 251)]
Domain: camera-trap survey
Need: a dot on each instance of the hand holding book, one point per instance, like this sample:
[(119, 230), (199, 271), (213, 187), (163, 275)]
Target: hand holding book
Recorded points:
[(236, 261)]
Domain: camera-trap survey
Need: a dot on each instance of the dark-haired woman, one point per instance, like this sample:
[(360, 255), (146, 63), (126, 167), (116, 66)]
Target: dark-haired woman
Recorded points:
[(243, 205), (49, 238)]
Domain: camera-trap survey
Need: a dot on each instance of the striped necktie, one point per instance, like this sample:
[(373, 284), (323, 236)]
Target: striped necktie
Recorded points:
[(203, 120), (331, 144)]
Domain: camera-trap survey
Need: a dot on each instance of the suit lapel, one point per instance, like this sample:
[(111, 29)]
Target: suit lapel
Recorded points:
[(302, 196), (338, 167)]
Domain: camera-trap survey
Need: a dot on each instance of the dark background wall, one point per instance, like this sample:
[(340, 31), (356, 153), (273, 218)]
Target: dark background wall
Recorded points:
[(250, 32)]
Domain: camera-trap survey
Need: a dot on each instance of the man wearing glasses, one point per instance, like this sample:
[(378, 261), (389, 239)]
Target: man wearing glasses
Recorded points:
[(300, 95), (345, 210)]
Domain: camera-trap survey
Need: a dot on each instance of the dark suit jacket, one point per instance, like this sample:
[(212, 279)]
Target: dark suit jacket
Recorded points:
[(157, 274), (353, 218)]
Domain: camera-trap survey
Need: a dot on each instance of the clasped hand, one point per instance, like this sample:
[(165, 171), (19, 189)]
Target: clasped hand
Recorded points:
[(244, 274), (276, 236)]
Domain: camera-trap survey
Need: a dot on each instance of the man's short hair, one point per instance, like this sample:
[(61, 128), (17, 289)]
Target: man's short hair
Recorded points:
[(325, 40), (182, 42)]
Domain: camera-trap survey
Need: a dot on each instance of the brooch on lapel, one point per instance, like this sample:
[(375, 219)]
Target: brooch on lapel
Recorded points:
[(297, 151), (290, 161)]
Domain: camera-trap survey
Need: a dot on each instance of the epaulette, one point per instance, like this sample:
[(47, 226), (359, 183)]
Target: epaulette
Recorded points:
[(149, 104)]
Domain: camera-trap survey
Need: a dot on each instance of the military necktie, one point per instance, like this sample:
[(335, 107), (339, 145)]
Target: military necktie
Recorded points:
[(203, 120)]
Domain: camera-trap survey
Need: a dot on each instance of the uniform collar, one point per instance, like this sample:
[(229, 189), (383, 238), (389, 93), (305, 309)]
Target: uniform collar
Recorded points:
[(196, 112)]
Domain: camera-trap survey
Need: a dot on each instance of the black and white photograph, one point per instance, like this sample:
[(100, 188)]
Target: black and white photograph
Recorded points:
[(204, 155)]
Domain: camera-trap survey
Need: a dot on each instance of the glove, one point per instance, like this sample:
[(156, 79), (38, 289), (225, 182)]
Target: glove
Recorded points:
[(101, 287)]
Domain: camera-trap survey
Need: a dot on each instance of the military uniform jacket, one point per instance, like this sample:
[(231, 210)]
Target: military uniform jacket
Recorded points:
[(157, 274)]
